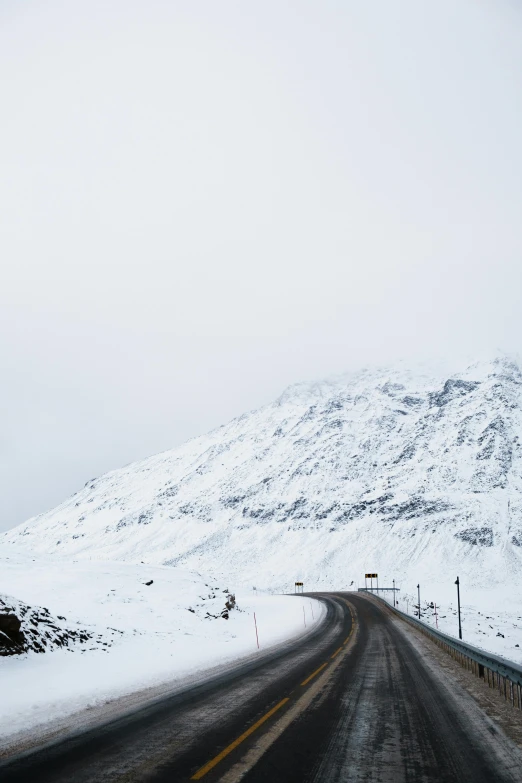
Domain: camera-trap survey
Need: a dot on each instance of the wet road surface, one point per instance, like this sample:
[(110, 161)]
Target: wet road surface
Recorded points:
[(353, 702)]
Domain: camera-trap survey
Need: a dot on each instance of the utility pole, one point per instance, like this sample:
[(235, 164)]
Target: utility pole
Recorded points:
[(418, 593), (458, 601), (394, 593)]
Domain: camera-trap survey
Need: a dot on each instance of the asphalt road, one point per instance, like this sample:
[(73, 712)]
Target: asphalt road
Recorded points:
[(352, 702)]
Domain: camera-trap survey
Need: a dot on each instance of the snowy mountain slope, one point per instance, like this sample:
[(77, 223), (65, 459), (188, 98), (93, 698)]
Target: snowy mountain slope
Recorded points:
[(414, 474)]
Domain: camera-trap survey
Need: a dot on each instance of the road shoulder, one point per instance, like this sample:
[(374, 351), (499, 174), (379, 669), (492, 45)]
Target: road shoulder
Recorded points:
[(500, 713)]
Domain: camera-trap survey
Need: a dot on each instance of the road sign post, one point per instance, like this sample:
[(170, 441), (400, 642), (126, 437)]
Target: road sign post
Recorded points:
[(371, 577)]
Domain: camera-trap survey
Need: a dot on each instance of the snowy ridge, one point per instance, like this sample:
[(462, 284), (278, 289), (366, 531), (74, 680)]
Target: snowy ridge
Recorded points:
[(404, 471)]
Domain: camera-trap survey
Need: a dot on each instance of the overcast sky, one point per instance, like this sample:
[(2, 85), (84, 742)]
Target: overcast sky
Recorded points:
[(202, 202)]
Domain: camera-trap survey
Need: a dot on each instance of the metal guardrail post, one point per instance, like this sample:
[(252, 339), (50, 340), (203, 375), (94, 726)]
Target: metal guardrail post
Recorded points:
[(498, 672)]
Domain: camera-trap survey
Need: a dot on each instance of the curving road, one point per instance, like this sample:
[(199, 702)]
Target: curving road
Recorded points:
[(354, 701)]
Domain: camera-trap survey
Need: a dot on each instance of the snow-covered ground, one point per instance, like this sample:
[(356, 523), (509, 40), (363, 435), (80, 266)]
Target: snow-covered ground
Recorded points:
[(161, 639), (491, 619)]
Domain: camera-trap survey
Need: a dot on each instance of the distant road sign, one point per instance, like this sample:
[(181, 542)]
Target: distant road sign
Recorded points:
[(371, 576)]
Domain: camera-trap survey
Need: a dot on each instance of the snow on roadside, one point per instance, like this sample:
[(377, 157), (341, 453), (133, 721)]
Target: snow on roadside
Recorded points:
[(491, 619), (172, 629)]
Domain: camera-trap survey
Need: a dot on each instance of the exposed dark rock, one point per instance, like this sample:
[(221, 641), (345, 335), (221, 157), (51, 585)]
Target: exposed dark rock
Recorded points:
[(391, 389), (494, 456), (476, 536), (231, 602), (415, 507), (170, 492), (234, 501), (12, 639), (453, 388), (24, 628), (412, 402), (295, 509), (9, 624), (407, 453)]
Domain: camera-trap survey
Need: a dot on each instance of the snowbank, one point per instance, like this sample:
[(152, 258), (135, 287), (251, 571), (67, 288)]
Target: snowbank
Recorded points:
[(171, 630)]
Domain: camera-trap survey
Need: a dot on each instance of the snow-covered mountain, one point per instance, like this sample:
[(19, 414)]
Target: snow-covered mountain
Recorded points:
[(410, 473)]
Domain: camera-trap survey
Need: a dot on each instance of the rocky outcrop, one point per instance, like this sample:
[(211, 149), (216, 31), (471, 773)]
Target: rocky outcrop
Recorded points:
[(24, 629), (11, 637)]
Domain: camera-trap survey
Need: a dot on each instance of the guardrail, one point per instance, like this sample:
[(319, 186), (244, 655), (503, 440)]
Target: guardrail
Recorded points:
[(497, 671)]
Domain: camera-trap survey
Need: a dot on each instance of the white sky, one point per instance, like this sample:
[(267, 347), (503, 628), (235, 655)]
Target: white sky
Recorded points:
[(202, 202)]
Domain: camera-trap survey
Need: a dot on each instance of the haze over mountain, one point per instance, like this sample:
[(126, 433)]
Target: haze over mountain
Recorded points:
[(203, 202), (400, 470)]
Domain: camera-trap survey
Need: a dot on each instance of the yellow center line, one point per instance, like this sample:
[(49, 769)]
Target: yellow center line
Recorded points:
[(211, 764), (305, 682)]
